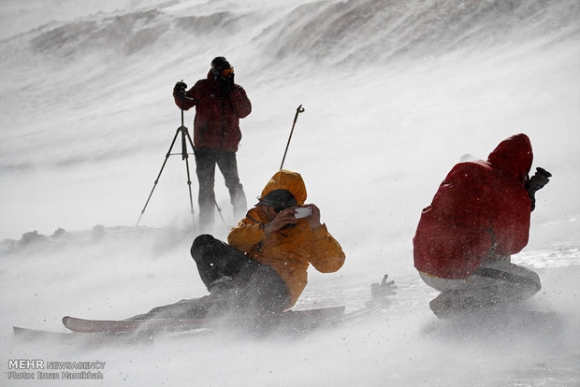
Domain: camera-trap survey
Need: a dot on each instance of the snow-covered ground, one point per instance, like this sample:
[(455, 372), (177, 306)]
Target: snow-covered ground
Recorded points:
[(395, 93)]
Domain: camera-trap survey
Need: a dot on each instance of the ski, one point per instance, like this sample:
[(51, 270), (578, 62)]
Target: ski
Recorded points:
[(129, 330), (80, 325), (28, 334), (294, 319)]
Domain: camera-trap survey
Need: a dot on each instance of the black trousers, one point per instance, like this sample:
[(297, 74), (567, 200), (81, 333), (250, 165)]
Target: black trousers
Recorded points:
[(206, 160), (237, 283), (230, 273)]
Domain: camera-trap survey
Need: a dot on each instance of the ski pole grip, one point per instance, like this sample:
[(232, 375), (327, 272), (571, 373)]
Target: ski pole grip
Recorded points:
[(299, 110)]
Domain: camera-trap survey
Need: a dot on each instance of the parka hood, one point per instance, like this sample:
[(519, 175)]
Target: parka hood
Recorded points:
[(288, 180), (513, 156), (211, 77)]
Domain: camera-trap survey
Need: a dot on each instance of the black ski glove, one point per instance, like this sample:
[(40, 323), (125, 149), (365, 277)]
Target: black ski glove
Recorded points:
[(179, 90), (537, 182)]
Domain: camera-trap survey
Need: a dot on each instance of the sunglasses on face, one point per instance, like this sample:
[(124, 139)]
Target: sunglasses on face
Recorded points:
[(227, 72), (277, 209)]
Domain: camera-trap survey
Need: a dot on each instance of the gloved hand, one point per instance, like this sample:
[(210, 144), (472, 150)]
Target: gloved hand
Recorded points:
[(179, 90), (537, 182)]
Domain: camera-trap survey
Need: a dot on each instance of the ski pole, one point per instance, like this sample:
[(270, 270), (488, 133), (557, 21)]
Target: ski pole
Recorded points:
[(299, 110)]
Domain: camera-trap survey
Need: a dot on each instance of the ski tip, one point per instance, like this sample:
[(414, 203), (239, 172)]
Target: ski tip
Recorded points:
[(27, 333), (67, 321), (19, 331)]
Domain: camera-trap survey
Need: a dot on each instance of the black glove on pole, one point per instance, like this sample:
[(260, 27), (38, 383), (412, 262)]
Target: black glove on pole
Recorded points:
[(179, 90), (537, 182)]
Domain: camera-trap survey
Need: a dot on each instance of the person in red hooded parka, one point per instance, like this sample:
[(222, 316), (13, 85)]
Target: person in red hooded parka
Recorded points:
[(220, 104), (478, 218)]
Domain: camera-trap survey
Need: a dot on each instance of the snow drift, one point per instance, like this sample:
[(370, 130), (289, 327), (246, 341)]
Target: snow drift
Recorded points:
[(395, 93)]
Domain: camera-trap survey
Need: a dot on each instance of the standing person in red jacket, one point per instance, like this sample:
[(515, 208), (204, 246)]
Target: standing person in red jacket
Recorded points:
[(219, 103), (478, 218)]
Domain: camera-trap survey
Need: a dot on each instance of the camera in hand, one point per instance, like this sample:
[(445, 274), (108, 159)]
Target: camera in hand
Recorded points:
[(539, 180), (303, 212), (542, 172)]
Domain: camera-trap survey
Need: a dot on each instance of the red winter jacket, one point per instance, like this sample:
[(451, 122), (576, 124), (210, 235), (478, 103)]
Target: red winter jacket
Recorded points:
[(480, 210), (217, 118)]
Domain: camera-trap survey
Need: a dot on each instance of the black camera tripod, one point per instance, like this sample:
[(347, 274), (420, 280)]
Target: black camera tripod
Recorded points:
[(185, 139)]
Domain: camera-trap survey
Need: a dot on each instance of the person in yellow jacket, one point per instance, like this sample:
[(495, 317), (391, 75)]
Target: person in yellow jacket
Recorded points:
[(273, 234), (262, 270)]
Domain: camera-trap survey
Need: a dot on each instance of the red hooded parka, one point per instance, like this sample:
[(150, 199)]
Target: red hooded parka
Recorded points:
[(217, 117), (480, 210)]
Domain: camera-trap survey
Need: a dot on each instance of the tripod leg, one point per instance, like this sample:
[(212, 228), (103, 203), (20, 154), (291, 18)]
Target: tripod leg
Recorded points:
[(184, 154), (189, 139), (159, 175), (189, 186), (185, 135)]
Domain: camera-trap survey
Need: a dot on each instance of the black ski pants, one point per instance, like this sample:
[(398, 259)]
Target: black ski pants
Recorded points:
[(237, 283), (248, 284), (206, 160)]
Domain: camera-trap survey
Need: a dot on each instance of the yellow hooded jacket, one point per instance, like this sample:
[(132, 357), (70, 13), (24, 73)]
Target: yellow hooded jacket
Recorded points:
[(291, 250)]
